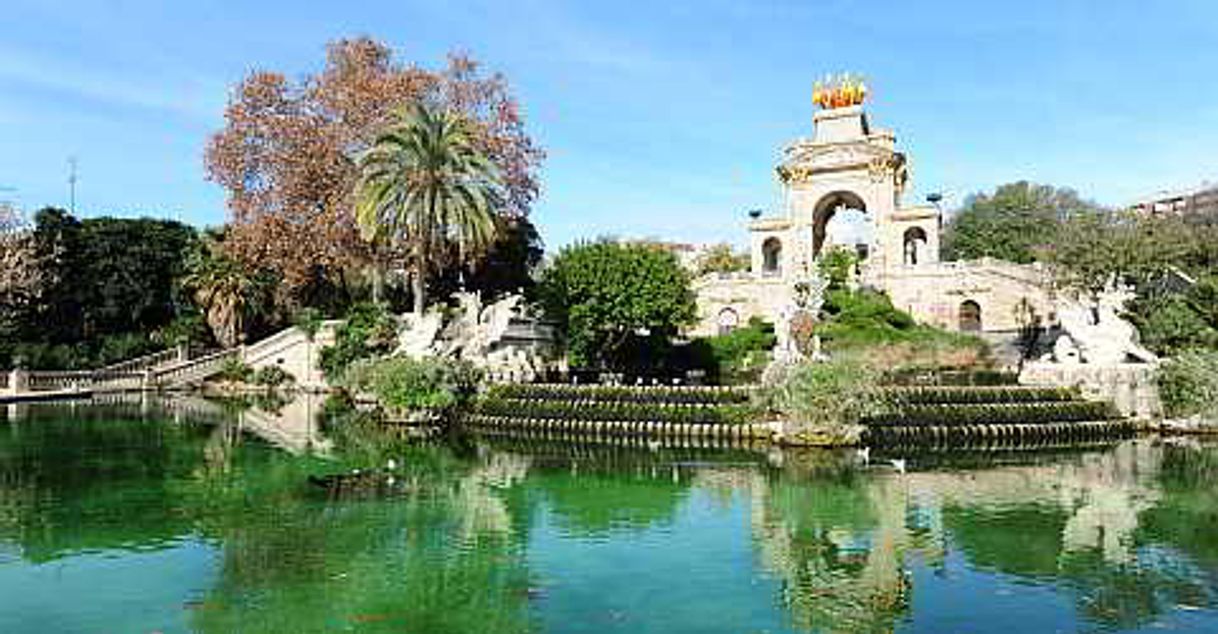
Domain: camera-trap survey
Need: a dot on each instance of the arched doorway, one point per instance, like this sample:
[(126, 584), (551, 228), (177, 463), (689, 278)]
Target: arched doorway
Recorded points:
[(771, 256), (728, 321), (915, 245), (970, 316), (841, 219)]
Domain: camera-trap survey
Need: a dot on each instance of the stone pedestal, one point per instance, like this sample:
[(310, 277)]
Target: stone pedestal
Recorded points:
[(18, 381)]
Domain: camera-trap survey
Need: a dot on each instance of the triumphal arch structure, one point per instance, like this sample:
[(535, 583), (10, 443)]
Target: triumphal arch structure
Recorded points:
[(849, 167)]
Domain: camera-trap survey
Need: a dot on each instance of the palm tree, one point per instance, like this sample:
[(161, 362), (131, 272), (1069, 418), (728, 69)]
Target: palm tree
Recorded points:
[(425, 183), (226, 291)]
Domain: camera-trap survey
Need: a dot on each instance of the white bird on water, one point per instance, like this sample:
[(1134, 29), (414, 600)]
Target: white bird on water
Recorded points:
[(898, 464), (392, 464), (864, 455)]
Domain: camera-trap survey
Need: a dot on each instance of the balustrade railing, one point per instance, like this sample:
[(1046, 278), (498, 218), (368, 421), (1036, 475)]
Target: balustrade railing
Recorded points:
[(195, 369), (153, 360)]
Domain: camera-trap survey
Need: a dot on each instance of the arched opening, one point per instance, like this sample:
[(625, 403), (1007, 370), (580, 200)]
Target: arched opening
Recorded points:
[(840, 219), (728, 320), (970, 316), (915, 245), (771, 256)]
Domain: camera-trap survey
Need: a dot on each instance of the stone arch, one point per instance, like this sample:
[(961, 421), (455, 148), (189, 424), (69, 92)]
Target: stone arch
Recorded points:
[(771, 256), (828, 207), (727, 321), (914, 243), (970, 316)]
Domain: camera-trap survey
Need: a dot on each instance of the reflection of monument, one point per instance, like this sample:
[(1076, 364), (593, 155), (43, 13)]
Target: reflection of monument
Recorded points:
[(849, 169)]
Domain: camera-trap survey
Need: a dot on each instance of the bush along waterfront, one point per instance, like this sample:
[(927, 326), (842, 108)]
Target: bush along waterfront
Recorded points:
[(1188, 386)]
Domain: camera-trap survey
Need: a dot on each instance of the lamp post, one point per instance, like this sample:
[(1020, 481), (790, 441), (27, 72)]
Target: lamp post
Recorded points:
[(935, 198)]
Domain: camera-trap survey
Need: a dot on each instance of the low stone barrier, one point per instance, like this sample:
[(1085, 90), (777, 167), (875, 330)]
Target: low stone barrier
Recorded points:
[(1132, 387)]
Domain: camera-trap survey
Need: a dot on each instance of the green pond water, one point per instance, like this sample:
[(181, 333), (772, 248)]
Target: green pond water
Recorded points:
[(187, 516)]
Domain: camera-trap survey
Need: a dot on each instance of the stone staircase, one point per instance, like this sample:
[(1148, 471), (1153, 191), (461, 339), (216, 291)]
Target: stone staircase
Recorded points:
[(561, 411), (959, 415)]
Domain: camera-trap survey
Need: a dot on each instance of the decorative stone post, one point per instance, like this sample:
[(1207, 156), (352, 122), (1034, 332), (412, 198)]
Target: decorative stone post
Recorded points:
[(18, 380)]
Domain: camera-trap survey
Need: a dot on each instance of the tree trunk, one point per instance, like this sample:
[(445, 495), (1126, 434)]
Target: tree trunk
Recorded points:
[(419, 284), (420, 254)]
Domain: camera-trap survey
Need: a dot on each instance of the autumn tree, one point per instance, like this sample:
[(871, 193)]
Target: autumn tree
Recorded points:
[(22, 276), (288, 153)]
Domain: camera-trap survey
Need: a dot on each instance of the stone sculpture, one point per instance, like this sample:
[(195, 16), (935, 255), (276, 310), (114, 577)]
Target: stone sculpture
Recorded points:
[(476, 334), (1097, 335)]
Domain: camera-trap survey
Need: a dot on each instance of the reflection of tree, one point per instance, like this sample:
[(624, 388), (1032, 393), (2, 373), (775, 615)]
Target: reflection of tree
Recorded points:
[(599, 502), (1019, 539), (1187, 514), (1076, 524), (77, 481), (836, 544), (442, 558)]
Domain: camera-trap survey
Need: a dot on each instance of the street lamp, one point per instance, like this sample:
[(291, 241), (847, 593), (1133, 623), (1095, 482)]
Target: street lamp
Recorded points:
[(935, 198)]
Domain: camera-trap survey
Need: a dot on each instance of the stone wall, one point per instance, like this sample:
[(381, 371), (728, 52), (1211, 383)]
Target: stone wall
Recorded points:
[(933, 293), (744, 294), (295, 353), (1132, 387)]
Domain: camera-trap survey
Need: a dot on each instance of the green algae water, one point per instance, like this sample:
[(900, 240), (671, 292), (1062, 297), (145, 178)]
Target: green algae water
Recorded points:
[(188, 516)]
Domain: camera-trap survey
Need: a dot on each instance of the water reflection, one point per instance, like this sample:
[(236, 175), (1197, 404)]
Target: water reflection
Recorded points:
[(209, 509)]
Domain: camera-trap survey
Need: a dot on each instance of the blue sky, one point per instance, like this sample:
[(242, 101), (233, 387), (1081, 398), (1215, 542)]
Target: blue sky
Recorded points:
[(660, 119)]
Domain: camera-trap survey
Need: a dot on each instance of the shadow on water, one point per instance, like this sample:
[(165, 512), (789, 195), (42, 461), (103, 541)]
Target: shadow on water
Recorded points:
[(503, 533)]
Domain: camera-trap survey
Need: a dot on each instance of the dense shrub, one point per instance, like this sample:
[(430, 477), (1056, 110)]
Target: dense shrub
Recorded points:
[(829, 396), (1172, 325), (235, 370), (369, 330), (866, 309), (402, 384), (865, 322), (272, 376), (1188, 384), (741, 355)]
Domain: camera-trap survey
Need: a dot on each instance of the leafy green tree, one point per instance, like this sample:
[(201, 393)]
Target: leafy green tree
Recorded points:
[(1011, 223), (615, 301), (1094, 251), (837, 265), (425, 183)]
